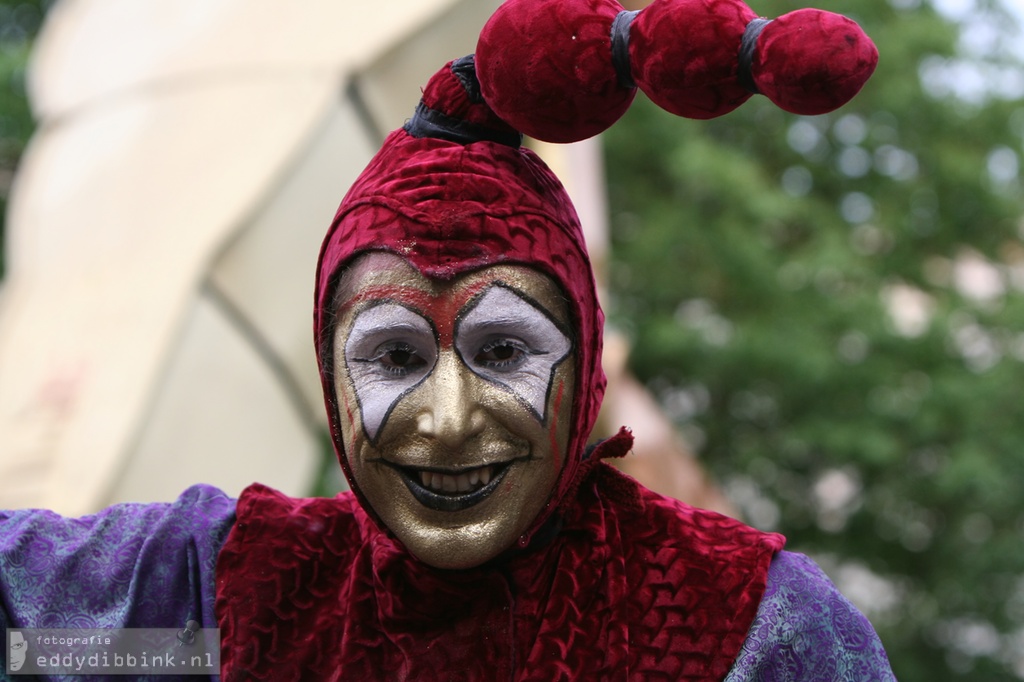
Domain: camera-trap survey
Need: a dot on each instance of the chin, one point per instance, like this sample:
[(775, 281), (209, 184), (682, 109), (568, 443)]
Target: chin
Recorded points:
[(461, 547)]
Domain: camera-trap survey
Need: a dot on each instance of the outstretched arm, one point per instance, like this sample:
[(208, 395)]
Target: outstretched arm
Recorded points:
[(806, 630), (130, 565)]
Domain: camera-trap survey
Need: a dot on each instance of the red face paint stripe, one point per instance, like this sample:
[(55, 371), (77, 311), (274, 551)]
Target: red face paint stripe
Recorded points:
[(441, 309), (351, 421)]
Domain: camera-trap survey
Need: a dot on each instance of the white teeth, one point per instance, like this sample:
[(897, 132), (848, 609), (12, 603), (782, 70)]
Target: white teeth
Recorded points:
[(462, 483)]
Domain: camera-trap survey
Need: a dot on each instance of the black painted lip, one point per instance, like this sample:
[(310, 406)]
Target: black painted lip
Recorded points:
[(450, 503)]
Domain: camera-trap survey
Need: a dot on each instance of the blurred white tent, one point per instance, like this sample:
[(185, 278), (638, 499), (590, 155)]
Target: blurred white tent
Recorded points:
[(155, 321)]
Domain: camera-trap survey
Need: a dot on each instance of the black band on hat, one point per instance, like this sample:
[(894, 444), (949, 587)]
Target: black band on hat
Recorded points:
[(748, 45), (465, 70), (620, 47), (427, 122)]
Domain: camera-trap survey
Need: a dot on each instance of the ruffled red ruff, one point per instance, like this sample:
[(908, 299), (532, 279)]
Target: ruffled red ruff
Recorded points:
[(633, 586)]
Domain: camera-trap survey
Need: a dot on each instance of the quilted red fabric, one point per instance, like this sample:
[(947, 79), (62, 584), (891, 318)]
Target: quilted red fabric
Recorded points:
[(633, 587), (546, 66)]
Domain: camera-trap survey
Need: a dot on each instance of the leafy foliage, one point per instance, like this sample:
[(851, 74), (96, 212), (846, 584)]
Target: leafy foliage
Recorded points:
[(832, 308), (19, 22)]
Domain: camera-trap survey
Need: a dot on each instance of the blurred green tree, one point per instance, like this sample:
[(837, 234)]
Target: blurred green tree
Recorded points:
[(832, 309), (19, 23)]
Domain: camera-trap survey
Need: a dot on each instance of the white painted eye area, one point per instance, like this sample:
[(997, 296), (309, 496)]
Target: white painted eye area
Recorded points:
[(509, 341), (389, 351)]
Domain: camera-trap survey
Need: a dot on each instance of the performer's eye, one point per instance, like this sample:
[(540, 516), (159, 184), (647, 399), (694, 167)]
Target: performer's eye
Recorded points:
[(502, 354), (389, 350), (398, 359)]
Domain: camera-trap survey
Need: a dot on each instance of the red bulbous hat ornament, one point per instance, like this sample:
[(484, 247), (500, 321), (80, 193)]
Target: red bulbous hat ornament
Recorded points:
[(565, 70)]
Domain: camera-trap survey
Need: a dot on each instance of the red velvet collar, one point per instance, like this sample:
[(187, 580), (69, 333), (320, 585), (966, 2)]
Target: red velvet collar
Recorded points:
[(633, 585)]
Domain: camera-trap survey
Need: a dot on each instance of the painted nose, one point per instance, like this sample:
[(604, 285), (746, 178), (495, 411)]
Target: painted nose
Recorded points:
[(451, 413)]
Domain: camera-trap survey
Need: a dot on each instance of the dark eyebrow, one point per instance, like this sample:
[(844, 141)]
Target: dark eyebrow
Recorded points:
[(506, 319), (397, 327)]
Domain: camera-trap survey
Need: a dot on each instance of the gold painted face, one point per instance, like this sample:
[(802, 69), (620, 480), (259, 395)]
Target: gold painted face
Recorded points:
[(455, 401)]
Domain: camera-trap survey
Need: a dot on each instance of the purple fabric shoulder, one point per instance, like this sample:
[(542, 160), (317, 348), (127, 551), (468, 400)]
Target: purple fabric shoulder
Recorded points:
[(806, 630), (130, 565)]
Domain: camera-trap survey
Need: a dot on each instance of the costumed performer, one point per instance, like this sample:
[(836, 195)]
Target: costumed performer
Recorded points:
[(459, 338)]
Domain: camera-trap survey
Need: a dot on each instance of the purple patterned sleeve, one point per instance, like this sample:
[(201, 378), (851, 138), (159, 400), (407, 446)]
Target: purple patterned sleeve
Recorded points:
[(806, 630), (129, 566)]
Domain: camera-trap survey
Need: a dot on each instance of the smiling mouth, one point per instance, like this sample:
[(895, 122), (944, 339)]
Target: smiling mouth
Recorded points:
[(453, 491)]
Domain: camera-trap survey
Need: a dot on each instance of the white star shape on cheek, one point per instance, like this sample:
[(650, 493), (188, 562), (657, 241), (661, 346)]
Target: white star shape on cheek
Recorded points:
[(389, 351), (511, 342)]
